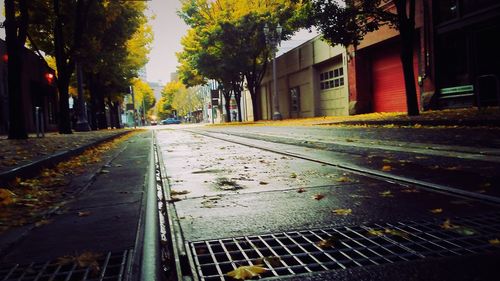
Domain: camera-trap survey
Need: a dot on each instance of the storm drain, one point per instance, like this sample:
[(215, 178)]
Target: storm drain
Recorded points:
[(109, 267), (338, 248)]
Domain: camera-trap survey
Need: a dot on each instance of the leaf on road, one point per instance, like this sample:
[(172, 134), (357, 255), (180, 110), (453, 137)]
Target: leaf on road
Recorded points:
[(263, 183), (327, 243), (436, 211), (410, 190), (84, 260), (386, 168), (396, 233), (494, 242), (342, 212), (462, 230), (387, 193), (84, 213), (300, 190), (318, 196), (246, 272), (293, 175), (7, 197), (374, 232), (174, 192), (42, 222), (344, 179)]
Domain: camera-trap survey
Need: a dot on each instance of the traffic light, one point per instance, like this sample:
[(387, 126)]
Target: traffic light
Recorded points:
[(49, 77)]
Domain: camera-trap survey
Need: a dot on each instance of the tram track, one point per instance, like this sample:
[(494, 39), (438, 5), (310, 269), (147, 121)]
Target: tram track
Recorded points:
[(287, 150)]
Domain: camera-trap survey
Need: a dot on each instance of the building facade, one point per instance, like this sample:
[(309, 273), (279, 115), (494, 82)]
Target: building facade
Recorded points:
[(38, 91), (456, 63), (312, 81)]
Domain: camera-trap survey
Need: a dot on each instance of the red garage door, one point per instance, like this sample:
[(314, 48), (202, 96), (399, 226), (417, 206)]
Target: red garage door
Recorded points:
[(388, 79)]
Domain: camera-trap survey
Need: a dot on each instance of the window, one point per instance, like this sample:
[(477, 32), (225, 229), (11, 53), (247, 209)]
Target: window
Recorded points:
[(331, 79)]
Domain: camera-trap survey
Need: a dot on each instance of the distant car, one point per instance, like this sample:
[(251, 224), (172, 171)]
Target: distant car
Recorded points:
[(170, 121), (154, 122)]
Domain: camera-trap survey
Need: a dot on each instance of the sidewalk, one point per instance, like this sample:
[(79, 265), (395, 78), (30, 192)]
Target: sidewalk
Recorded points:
[(95, 231)]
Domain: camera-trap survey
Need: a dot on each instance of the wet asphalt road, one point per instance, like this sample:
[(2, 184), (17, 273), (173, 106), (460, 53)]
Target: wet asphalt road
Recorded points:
[(232, 190)]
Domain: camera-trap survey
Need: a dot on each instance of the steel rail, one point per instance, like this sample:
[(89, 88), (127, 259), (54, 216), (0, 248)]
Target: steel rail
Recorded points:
[(370, 173)]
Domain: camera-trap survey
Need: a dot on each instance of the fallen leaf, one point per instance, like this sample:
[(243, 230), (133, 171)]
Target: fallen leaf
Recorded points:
[(300, 190), (42, 222), (263, 183), (436, 211), (343, 179), (293, 175), (374, 232), (386, 168), (86, 259), (342, 212), (7, 197), (84, 213), (387, 193), (447, 224), (174, 192), (318, 196), (410, 190), (246, 272), (327, 243), (396, 233), (494, 242)]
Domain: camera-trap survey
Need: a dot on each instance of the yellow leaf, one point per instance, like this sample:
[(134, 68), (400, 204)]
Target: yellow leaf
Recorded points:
[(447, 224), (246, 272), (410, 190), (396, 233), (274, 261), (436, 211), (327, 243), (342, 212), (7, 197), (387, 168), (494, 242), (343, 179), (375, 232), (293, 175), (387, 193)]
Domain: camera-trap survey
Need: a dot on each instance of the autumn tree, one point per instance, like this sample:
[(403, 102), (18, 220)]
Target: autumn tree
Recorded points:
[(348, 22), (113, 53), (226, 41), (16, 25), (143, 96)]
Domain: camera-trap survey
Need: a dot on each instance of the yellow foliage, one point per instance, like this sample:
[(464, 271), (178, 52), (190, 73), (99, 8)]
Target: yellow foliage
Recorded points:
[(7, 197), (342, 212), (246, 272)]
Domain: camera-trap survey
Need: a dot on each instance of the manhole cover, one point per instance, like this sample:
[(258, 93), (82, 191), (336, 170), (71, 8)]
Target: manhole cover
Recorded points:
[(111, 266), (316, 250)]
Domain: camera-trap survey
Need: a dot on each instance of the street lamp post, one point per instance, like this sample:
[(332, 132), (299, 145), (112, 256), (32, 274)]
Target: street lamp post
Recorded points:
[(273, 38)]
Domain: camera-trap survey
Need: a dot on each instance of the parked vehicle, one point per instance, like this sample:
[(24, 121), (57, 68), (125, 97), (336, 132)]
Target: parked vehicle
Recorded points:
[(170, 121)]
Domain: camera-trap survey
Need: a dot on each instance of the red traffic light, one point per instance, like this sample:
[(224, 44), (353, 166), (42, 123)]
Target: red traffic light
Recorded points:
[(49, 77)]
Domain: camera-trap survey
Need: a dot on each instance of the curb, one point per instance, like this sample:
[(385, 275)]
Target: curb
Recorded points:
[(461, 123), (33, 168)]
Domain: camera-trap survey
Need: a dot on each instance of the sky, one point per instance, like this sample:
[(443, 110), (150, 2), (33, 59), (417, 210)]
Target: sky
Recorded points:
[(169, 29)]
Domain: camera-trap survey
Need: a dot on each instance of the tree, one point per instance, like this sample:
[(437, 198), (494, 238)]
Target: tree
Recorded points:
[(16, 25), (143, 96), (226, 41), (348, 23)]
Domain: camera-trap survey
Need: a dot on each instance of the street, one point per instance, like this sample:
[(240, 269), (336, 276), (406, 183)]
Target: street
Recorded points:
[(333, 202)]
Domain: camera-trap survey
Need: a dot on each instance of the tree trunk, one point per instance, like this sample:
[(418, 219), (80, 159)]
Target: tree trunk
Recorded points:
[(101, 116), (17, 127), (256, 105), (406, 20), (237, 97), (65, 70), (227, 105)]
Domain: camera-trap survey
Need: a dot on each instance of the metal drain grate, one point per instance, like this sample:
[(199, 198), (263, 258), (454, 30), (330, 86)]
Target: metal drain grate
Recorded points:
[(112, 266), (297, 252)]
